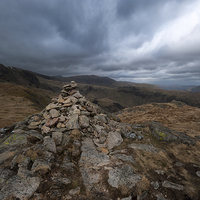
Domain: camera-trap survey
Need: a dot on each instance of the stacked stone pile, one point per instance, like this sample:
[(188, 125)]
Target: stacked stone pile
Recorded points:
[(71, 150)]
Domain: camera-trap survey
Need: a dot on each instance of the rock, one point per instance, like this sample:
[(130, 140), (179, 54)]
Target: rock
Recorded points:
[(124, 177), (75, 191), (51, 122), (84, 121), (49, 144), (45, 129), (4, 176), (20, 187), (162, 172), (142, 196), (165, 134), (162, 133), (41, 166), (144, 147), (59, 180), (178, 164), (7, 155), (89, 161), (57, 136), (175, 186), (52, 106), (155, 185), (160, 197), (54, 113), (15, 140), (127, 198), (198, 173), (73, 122), (114, 139), (101, 118), (125, 158)]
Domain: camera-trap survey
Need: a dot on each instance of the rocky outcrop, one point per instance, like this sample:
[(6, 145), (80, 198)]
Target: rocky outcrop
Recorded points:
[(75, 150)]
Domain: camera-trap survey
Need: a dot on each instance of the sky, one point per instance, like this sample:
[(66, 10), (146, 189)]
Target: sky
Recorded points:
[(141, 41)]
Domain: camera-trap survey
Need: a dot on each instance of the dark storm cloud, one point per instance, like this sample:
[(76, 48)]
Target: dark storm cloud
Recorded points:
[(141, 41)]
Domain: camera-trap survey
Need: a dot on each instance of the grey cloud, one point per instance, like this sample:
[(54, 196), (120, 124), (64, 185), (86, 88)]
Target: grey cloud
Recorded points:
[(107, 38)]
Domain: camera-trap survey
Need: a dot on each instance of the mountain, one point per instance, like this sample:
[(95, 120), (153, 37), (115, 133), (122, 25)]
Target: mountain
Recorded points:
[(195, 89), (111, 95), (176, 87), (73, 149), (18, 76)]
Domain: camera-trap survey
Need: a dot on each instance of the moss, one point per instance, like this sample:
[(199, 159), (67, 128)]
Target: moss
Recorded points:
[(161, 135)]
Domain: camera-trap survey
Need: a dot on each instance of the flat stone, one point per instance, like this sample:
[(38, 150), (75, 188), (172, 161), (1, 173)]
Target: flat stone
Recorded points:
[(175, 186), (41, 166), (127, 198), (114, 139), (73, 122), (57, 136), (51, 122), (15, 140), (101, 118), (198, 173), (4, 176), (160, 171), (54, 113), (52, 106), (19, 187), (124, 177), (144, 147), (160, 197), (155, 185), (84, 121), (77, 95), (75, 191), (49, 144), (124, 158), (45, 129), (60, 180)]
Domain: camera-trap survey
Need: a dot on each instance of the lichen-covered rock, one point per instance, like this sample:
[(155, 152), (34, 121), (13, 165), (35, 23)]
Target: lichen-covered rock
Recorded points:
[(124, 177), (114, 139)]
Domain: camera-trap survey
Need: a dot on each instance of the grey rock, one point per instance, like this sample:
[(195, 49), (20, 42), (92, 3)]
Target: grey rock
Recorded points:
[(54, 113), (15, 140), (142, 196), (19, 187), (163, 133), (114, 139), (198, 173), (73, 122), (124, 158), (84, 121), (155, 185), (57, 136), (175, 186), (41, 166), (101, 118), (127, 198), (49, 144), (66, 140), (52, 106), (178, 164), (90, 161), (59, 180), (4, 176), (159, 171), (75, 191), (7, 155), (67, 165), (123, 177), (160, 197), (144, 147)]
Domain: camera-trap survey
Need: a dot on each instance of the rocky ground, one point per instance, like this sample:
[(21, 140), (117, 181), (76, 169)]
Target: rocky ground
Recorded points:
[(75, 150)]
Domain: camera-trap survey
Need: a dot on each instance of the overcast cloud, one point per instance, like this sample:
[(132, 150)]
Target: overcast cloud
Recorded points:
[(155, 41)]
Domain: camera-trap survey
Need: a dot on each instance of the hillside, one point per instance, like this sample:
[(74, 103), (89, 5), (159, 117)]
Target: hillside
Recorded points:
[(75, 150), (111, 95)]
